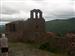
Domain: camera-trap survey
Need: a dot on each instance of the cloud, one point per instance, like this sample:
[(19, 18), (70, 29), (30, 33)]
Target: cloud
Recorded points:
[(8, 10), (38, 0), (17, 16), (4, 22), (52, 9)]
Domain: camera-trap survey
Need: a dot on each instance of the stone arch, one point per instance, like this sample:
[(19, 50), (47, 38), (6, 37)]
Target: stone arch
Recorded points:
[(40, 13), (34, 15)]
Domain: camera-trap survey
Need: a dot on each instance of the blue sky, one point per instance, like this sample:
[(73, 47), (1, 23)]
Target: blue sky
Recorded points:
[(12, 10)]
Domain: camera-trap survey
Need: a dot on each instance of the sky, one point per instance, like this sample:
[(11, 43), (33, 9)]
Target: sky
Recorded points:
[(11, 10)]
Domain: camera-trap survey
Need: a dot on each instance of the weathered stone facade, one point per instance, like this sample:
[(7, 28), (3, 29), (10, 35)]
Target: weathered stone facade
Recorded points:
[(31, 30)]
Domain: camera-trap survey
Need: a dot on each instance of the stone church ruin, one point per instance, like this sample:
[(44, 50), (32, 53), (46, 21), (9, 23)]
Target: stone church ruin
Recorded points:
[(32, 30)]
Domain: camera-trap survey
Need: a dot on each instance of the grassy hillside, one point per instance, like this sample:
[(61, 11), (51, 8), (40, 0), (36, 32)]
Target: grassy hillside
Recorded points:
[(2, 28), (23, 49), (61, 26)]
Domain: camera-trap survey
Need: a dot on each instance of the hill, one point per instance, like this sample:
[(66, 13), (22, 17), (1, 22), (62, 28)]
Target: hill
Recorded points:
[(2, 28), (61, 26)]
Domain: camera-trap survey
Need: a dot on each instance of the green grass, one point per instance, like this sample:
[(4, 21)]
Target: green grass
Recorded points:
[(24, 49)]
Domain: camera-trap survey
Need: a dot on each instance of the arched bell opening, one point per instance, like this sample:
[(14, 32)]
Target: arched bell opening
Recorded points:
[(36, 14)]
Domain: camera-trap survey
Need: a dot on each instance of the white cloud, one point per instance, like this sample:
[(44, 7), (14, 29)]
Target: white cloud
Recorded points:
[(52, 9), (3, 23), (20, 16)]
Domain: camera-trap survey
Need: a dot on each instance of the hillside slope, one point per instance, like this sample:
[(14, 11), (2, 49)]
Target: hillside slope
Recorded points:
[(61, 26), (2, 28)]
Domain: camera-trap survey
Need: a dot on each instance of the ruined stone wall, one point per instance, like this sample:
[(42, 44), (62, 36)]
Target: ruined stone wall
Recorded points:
[(14, 33), (71, 43)]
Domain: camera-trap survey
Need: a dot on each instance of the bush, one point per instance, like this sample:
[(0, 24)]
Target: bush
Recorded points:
[(46, 46)]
